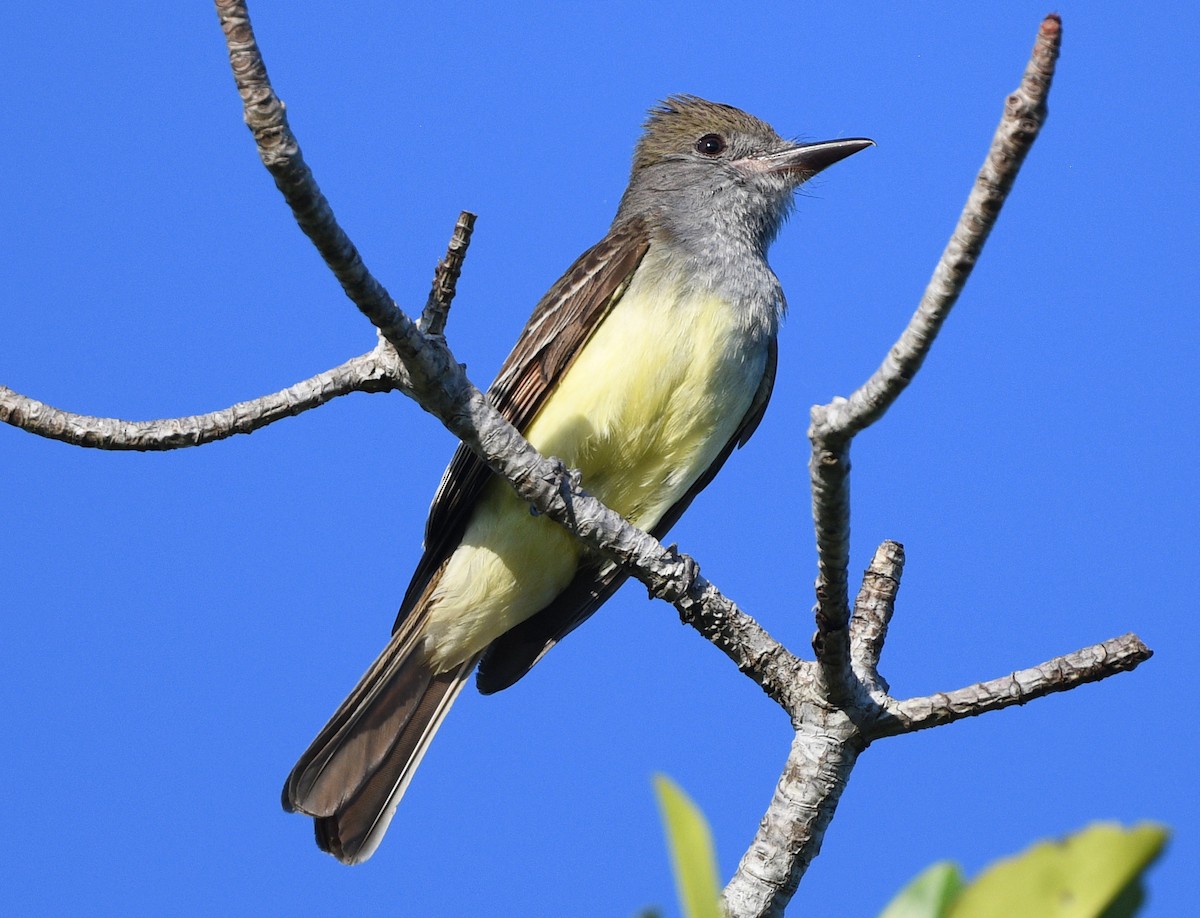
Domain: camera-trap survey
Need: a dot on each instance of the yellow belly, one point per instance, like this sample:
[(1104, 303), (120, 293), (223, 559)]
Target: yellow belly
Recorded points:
[(654, 396)]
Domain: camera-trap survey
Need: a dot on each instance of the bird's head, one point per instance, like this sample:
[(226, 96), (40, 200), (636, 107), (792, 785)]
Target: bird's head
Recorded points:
[(705, 168)]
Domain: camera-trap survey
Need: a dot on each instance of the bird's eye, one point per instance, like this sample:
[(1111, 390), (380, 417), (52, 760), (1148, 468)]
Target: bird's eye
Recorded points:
[(711, 145)]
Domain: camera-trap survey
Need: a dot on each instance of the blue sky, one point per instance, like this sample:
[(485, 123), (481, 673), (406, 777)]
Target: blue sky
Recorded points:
[(178, 625)]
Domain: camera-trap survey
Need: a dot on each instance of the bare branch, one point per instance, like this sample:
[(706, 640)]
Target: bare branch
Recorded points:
[(376, 371), (362, 374), (280, 153), (840, 711), (837, 707), (432, 367), (829, 739), (835, 424), (834, 706), (742, 639), (445, 277), (791, 831), (1091, 664), (873, 611), (1025, 112)]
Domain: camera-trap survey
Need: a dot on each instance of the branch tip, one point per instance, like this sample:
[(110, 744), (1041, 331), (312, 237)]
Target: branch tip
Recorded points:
[(1090, 664), (833, 426), (445, 277)]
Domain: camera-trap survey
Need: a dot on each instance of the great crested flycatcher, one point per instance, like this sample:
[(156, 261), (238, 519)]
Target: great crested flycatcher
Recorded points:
[(642, 367)]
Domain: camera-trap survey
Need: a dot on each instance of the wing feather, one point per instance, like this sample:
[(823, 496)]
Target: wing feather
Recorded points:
[(561, 324)]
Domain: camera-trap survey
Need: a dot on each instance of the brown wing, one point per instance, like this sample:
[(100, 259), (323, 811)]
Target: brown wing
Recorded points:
[(560, 325), (514, 653)]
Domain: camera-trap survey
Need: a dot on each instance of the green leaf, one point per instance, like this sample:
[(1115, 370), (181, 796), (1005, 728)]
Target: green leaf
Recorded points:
[(691, 846), (929, 895), (1095, 873)]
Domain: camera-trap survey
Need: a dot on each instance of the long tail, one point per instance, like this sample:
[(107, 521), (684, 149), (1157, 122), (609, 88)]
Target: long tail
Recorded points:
[(351, 779)]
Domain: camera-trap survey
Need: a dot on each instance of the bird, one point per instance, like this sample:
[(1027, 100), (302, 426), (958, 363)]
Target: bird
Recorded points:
[(642, 368)]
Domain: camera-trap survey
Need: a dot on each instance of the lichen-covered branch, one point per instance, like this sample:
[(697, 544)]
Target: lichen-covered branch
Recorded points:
[(843, 701), (837, 709), (742, 639)]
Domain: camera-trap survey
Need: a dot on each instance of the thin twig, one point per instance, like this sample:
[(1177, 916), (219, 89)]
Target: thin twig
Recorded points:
[(280, 152), (1091, 664), (834, 425), (445, 277), (873, 611), (377, 371), (1025, 112), (362, 374)]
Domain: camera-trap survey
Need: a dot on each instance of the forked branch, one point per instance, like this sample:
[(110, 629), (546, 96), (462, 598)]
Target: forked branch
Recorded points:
[(376, 371), (838, 705), (830, 734), (841, 705)]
